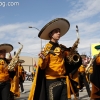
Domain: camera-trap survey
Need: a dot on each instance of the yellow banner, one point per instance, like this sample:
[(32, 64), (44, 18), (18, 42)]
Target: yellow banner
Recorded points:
[(94, 51)]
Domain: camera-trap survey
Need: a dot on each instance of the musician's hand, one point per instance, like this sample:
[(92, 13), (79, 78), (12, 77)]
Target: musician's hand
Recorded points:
[(41, 55)]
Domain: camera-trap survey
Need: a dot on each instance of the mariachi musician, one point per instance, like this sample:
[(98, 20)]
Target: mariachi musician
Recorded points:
[(83, 80), (81, 70), (54, 64), (15, 92), (21, 74), (18, 78), (95, 76), (5, 75), (14, 89)]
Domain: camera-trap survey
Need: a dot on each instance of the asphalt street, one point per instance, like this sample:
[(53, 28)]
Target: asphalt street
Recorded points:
[(27, 86)]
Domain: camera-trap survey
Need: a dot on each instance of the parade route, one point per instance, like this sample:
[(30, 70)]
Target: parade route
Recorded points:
[(28, 84), (27, 87)]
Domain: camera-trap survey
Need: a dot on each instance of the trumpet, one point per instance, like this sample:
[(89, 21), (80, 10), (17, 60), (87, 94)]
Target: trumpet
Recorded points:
[(73, 56)]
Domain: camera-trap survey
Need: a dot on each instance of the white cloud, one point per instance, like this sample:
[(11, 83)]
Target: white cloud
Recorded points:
[(83, 9), (84, 13), (14, 33), (80, 14)]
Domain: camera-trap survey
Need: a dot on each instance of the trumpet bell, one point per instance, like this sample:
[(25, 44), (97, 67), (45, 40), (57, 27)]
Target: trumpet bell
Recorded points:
[(75, 58)]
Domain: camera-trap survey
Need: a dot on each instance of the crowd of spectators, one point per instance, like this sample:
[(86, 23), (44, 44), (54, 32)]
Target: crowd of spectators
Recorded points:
[(28, 76)]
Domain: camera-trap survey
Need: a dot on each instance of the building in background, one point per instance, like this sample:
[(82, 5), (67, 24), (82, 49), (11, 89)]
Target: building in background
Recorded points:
[(29, 62)]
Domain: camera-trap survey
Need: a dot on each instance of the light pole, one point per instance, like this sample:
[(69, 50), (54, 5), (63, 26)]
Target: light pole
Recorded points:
[(38, 30)]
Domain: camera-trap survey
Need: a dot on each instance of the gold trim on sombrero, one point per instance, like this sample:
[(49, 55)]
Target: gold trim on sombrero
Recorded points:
[(21, 61), (60, 23), (7, 47)]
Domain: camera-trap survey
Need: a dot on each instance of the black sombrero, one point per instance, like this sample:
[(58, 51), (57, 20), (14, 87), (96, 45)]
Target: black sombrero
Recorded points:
[(21, 61), (7, 47), (60, 23), (97, 47)]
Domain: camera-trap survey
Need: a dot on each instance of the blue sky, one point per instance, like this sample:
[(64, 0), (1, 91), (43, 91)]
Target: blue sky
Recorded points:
[(15, 20)]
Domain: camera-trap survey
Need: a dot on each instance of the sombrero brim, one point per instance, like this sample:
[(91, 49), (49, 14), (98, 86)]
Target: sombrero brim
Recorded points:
[(21, 61), (60, 23), (7, 47)]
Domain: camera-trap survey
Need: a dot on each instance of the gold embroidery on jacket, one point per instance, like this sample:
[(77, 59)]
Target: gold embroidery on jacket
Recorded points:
[(46, 49), (2, 62), (57, 50)]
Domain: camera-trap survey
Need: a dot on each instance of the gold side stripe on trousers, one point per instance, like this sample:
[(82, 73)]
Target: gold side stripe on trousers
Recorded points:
[(55, 84)]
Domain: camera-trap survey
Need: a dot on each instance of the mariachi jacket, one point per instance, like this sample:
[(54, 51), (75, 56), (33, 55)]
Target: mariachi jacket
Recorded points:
[(5, 75), (55, 54)]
